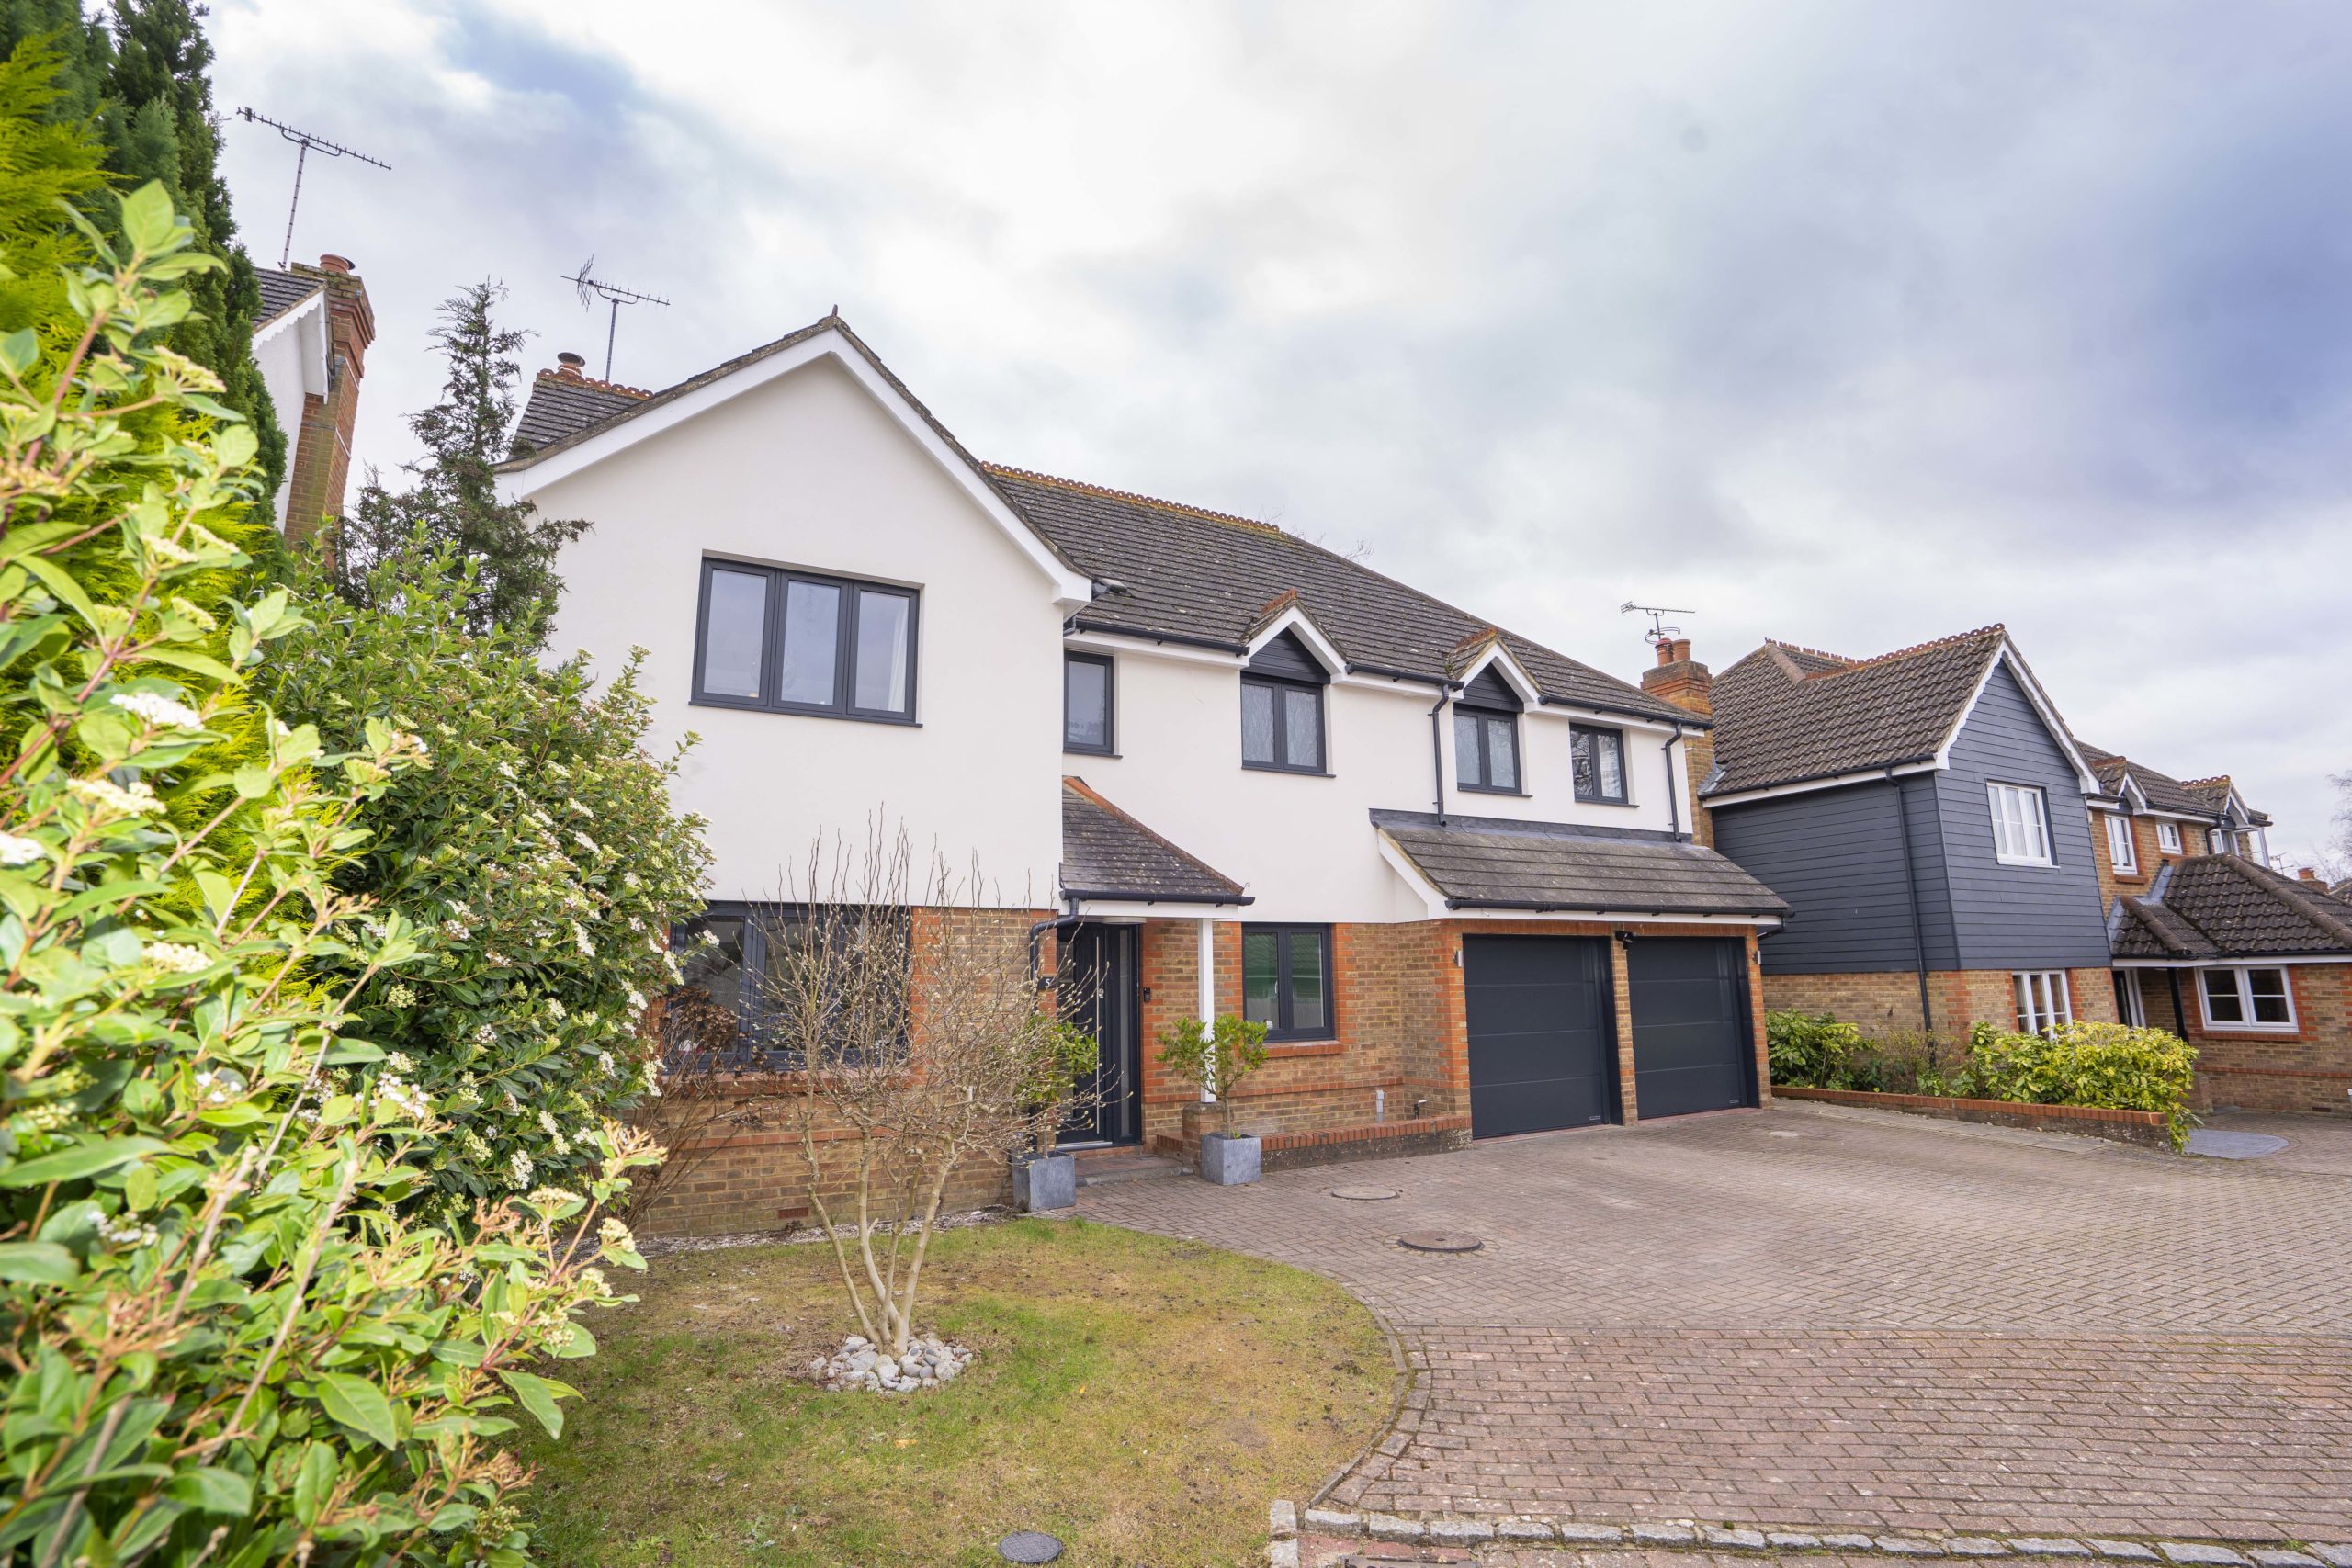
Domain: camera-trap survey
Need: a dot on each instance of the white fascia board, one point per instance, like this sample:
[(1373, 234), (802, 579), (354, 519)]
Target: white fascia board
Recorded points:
[(1297, 620), (1127, 911), (2042, 705), (315, 303), (1693, 726), (1072, 590), (1523, 684), (1144, 644), (1875, 776), (2127, 797), (2289, 962)]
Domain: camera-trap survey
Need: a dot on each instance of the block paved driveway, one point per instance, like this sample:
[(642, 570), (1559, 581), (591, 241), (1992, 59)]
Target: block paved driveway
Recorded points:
[(1811, 1316)]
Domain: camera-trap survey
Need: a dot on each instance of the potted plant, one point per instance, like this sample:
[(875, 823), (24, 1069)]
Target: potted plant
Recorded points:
[(1217, 1056), (1066, 1056)]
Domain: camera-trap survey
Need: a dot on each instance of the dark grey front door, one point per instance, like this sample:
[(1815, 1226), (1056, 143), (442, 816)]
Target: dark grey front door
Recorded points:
[(1543, 1053), (1098, 994), (1692, 1048)]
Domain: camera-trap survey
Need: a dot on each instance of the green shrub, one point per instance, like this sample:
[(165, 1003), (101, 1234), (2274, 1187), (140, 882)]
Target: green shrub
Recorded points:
[(224, 1344), (539, 864), (1817, 1050), (2110, 1064)]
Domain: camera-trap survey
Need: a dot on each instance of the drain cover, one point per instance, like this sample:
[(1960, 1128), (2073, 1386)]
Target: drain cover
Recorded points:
[(1366, 1194), (1029, 1546), (1439, 1241)]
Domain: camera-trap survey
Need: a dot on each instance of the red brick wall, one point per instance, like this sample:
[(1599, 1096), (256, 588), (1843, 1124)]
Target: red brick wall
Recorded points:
[(321, 465), (2308, 1069), (1888, 1002)]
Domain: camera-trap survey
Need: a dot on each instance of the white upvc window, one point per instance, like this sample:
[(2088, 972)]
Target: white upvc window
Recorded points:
[(2044, 1001), (2168, 837), (2122, 850), (2246, 998), (2020, 826)]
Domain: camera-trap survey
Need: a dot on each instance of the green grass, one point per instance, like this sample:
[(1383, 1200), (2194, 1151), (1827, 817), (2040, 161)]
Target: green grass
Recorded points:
[(1142, 1398)]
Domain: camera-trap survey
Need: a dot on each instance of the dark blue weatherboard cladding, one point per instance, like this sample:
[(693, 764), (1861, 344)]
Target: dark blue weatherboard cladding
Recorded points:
[(1837, 856), (2017, 916)]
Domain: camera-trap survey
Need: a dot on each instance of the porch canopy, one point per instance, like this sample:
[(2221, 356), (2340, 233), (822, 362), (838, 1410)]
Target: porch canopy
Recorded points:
[(1495, 864), (1108, 857), (2212, 910)]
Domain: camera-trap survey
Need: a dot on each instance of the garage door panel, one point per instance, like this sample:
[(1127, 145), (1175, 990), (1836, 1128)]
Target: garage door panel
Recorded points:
[(1537, 1012), (1692, 1049)]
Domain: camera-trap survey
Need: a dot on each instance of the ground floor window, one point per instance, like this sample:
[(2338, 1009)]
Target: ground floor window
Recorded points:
[(2044, 1001), (2246, 998), (758, 982), (1286, 980)]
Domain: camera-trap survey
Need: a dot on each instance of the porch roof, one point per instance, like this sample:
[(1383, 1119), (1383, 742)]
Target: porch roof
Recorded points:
[(1487, 863), (1107, 854), (2212, 907)]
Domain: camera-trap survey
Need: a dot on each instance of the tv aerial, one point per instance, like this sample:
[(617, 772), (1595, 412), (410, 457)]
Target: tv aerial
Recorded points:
[(591, 288), (1659, 631), (307, 143)]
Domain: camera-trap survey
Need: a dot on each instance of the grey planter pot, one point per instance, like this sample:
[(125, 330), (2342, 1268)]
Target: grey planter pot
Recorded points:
[(1229, 1159), (1041, 1183)]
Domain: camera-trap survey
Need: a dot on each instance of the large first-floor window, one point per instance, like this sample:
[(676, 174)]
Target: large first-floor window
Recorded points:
[(2246, 998), (799, 643), (1286, 980), (2043, 1000), (2020, 825)]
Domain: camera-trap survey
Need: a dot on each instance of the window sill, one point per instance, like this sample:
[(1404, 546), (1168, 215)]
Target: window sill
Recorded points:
[(2252, 1030), (1089, 751), (1490, 789), (1294, 773), (1278, 1049), (741, 707), (2027, 864)]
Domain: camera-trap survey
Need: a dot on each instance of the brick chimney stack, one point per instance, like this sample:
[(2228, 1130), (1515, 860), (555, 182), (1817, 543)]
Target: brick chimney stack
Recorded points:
[(2306, 874), (1679, 679), (321, 439)]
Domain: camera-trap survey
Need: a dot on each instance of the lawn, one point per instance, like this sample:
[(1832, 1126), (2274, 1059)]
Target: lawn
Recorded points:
[(1141, 1398)]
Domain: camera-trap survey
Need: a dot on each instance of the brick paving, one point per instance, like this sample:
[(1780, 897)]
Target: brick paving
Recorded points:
[(1814, 1316)]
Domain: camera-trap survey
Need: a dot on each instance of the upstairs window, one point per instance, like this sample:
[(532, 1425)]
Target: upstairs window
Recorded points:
[(796, 643), (1286, 980), (2020, 826), (1598, 756), (1282, 709), (2246, 998), (1486, 737), (2123, 849), (2044, 1001), (1086, 703), (2168, 837)]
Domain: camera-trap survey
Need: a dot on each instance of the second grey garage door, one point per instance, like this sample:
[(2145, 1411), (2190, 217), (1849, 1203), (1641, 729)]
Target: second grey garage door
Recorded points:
[(1692, 1050), (1540, 1023)]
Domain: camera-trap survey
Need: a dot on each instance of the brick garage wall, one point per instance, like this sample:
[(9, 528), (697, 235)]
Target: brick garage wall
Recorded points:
[(738, 1160), (2310, 1069)]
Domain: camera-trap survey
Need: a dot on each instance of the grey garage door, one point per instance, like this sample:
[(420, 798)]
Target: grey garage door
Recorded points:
[(1691, 1046), (1540, 1052)]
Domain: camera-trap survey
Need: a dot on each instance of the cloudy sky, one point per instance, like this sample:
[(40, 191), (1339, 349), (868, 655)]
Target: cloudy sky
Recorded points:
[(1851, 324)]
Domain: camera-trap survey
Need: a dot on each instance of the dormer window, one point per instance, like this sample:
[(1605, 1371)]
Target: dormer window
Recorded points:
[(1282, 708), (1486, 736)]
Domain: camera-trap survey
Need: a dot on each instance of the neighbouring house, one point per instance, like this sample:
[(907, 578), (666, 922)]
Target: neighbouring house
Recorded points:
[(2252, 967), (1453, 870), (311, 342), (1924, 813)]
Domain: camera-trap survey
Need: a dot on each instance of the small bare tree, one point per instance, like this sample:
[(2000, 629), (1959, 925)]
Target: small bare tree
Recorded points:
[(910, 1011)]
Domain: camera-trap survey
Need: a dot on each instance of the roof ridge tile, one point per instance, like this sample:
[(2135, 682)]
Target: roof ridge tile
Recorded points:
[(573, 379)]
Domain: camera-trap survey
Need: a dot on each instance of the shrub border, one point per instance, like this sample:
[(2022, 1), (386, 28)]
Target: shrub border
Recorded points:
[(2146, 1128)]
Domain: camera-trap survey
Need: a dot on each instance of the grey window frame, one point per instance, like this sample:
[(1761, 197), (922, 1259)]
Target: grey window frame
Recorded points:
[(755, 1049), (1282, 764), (1483, 784), (780, 579), (1110, 747), (1284, 1029), (1624, 796)]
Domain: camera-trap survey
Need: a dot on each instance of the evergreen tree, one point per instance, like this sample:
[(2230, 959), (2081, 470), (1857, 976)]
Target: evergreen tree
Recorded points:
[(44, 160), (141, 75), (455, 504)]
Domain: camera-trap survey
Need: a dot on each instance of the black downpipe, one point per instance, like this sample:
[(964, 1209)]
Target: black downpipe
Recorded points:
[(1037, 945), (1911, 888)]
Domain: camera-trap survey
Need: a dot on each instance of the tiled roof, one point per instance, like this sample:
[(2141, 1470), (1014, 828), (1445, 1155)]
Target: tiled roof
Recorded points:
[(1494, 864), (281, 291), (1211, 577), (2227, 906), (561, 406), (2162, 791), (1108, 854), (2215, 795), (1788, 714), (1186, 571)]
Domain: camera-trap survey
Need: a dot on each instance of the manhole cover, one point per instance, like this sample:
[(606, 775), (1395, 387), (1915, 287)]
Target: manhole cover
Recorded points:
[(1366, 1194), (2214, 1143), (1029, 1546), (1439, 1241)]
